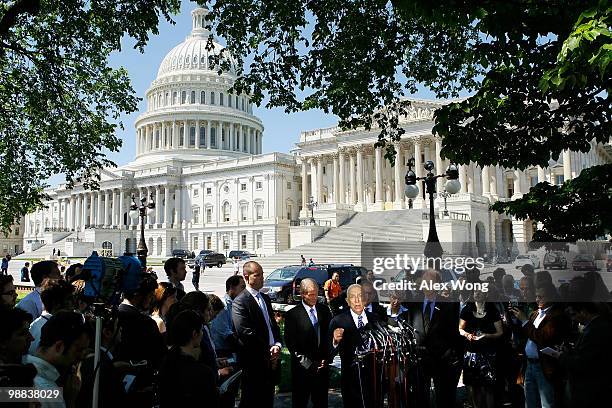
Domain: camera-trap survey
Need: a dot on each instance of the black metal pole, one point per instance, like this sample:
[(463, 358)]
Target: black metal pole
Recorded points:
[(142, 250), (433, 249)]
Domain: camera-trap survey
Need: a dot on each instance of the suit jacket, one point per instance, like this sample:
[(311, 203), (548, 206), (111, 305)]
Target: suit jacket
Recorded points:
[(379, 311), (351, 338), (552, 331), (441, 339), (140, 337), (305, 346), (252, 331), (588, 365)]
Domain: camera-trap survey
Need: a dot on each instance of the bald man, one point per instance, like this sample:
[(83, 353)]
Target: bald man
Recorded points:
[(258, 338), (345, 336), (306, 336)]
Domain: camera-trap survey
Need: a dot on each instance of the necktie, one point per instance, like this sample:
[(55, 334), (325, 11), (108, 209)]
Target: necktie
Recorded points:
[(264, 310), (427, 314), (360, 321), (315, 323)]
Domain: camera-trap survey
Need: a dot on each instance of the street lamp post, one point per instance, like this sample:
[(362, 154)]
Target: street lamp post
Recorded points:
[(445, 195), (433, 249), (142, 211)]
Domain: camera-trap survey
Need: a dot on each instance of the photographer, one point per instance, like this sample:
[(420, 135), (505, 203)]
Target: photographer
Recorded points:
[(112, 392)]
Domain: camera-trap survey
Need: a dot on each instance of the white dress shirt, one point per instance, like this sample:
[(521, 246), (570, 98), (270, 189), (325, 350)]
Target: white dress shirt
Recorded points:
[(264, 310), (364, 318), (46, 377), (35, 329)]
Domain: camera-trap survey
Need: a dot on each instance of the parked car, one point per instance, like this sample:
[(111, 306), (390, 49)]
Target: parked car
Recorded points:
[(584, 262), (182, 253), (555, 259), (241, 254), (283, 284), (208, 258), (526, 259)]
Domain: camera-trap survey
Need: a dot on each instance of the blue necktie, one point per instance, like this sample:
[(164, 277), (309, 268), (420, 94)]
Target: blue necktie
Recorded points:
[(313, 319), (360, 322)]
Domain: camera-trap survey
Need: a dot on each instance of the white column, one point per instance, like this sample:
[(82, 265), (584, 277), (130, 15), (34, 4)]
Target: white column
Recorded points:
[(174, 136), (185, 135), (178, 206), (397, 169), (167, 206), (99, 220), (486, 181), (113, 221), (439, 166), (341, 179), (493, 174), (248, 140), (379, 183), (541, 174), (85, 210), (319, 196), (207, 136), (106, 207), (352, 195), (335, 181), (470, 177), (304, 188), (418, 169), (360, 188), (197, 143), (567, 165), (121, 208), (517, 184), (158, 204), (463, 178)]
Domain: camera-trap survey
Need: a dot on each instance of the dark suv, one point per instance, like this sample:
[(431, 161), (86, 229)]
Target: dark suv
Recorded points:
[(181, 253), (555, 259), (208, 258), (283, 284), (241, 254)]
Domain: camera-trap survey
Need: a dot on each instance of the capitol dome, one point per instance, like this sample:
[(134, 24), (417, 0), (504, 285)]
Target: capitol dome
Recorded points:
[(193, 54), (191, 115)]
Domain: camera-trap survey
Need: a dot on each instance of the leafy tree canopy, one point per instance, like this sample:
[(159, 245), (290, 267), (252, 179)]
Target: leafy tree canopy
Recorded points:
[(538, 72), (59, 100)]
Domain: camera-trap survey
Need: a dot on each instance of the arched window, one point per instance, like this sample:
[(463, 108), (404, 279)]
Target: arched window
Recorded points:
[(202, 136), (229, 101), (221, 99), (174, 98), (181, 136), (192, 136), (226, 211), (193, 94), (213, 137), (157, 139), (212, 98), (183, 97), (107, 249), (167, 99), (244, 210), (203, 97)]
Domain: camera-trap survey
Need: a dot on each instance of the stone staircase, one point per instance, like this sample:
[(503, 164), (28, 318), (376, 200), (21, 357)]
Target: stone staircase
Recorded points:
[(343, 244), (46, 251)]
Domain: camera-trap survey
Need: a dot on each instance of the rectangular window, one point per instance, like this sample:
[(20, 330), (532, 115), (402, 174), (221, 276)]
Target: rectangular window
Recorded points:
[(183, 97), (258, 241), (192, 136), (243, 212), (174, 98), (196, 192), (289, 211), (243, 241), (258, 185), (209, 215), (259, 212), (195, 244), (196, 215), (16, 230), (288, 185), (181, 136), (212, 98), (559, 179), (213, 137), (202, 97), (193, 94), (243, 187), (208, 190), (208, 242), (533, 180), (229, 100), (243, 104), (221, 99), (236, 101)]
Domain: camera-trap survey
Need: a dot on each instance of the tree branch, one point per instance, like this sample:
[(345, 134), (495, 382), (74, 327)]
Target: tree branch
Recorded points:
[(9, 19)]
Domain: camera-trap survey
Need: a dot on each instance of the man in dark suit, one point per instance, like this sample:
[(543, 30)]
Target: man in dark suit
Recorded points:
[(259, 340), (370, 300), (436, 324), (345, 331), (306, 336)]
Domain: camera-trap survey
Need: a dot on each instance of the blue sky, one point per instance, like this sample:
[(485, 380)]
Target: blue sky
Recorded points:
[(281, 130)]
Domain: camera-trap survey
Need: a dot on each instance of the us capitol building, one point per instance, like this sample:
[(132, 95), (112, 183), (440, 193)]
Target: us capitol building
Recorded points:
[(199, 155)]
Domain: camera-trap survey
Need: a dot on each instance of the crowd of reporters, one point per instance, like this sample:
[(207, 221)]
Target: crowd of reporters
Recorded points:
[(536, 346)]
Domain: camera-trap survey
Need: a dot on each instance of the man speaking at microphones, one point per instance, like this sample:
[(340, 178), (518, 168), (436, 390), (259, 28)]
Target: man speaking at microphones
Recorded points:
[(259, 340), (345, 331)]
